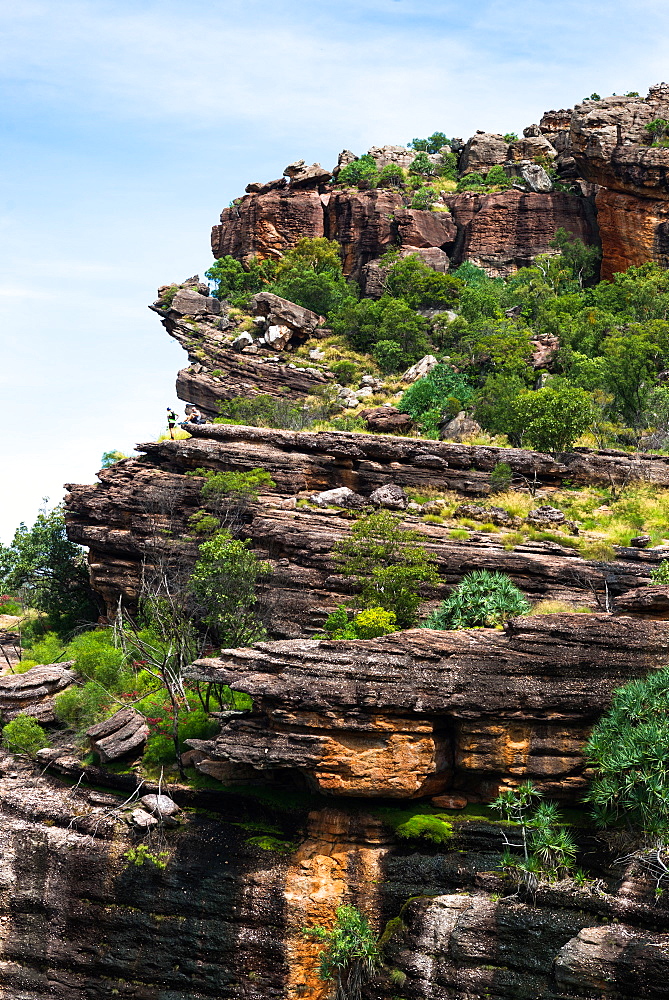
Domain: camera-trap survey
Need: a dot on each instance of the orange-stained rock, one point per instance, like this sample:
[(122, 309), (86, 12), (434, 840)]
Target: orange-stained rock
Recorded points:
[(504, 706), (450, 801)]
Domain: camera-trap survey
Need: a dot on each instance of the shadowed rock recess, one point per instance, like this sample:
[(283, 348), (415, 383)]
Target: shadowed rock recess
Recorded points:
[(296, 805)]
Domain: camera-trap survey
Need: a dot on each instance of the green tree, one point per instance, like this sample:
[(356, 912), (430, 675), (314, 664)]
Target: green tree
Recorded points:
[(310, 274), (50, 571), (633, 358), (553, 417), (434, 394), (433, 144), (367, 322), (583, 261), (541, 848), (110, 458), (390, 357), (24, 735), (223, 581), (421, 286), (350, 955), (237, 284), (392, 176), (627, 751), (497, 177), (362, 171), (473, 181), (388, 563), (422, 165), (481, 600)]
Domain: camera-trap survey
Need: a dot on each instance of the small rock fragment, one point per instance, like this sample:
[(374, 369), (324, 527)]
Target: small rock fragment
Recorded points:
[(390, 496)]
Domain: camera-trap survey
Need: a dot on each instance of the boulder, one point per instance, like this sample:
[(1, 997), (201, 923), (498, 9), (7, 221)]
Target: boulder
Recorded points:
[(242, 341), (544, 348), (483, 151), (340, 497), (424, 229), (188, 302), (33, 692), (420, 369), (546, 516), (386, 420), (343, 160), (493, 515), (449, 801), (142, 820), (159, 805), (282, 313), (123, 734), (531, 174), (389, 496), (532, 148), (385, 155), (459, 428), (644, 602), (640, 541), (303, 176), (277, 336)]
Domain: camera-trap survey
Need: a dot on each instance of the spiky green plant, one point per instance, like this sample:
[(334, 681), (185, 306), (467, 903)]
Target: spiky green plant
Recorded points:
[(481, 599)]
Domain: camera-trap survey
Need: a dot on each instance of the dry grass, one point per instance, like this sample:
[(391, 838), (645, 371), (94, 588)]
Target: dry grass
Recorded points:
[(179, 435), (554, 607), (514, 502)]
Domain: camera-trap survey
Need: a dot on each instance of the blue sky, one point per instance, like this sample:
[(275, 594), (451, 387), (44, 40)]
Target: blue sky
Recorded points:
[(127, 126)]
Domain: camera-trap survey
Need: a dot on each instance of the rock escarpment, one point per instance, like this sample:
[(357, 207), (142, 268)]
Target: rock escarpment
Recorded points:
[(420, 712), (611, 148), (140, 512)]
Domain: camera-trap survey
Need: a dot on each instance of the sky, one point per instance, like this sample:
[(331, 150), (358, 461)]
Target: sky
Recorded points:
[(128, 126)]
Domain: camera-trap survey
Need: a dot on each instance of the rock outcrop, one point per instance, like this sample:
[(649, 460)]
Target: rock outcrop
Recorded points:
[(611, 148), (419, 712), (33, 692), (140, 512)]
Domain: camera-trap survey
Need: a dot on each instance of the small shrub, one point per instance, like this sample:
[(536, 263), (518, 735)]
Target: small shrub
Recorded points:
[(500, 477), (344, 372), (24, 735), (48, 649), (459, 534), (481, 599), (81, 707), (390, 356), (660, 574), (142, 855), (432, 828), (472, 182), (367, 624)]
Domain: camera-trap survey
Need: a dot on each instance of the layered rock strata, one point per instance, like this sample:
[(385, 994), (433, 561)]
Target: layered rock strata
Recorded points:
[(140, 512), (611, 149), (419, 712), (501, 232)]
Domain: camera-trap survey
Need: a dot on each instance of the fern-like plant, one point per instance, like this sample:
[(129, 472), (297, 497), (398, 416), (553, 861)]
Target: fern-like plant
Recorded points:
[(481, 600)]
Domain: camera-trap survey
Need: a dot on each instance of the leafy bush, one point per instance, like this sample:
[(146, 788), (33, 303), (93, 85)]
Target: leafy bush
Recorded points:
[(432, 828), (422, 165), (344, 371), (424, 198), (438, 394), (660, 574), (553, 417), (481, 600), (193, 725), (368, 322), (389, 564), (510, 137), (367, 624), (360, 171), (472, 182), (79, 708), (392, 176), (24, 735), (627, 750), (143, 855), (97, 657), (389, 356), (264, 410), (237, 284), (500, 477), (350, 955), (110, 458), (496, 177), (47, 649), (420, 285)]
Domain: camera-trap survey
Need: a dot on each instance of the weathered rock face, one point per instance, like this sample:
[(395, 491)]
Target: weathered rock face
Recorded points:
[(440, 941), (501, 231), (217, 369), (33, 692), (140, 511), (419, 712), (504, 231), (483, 151), (609, 144)]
